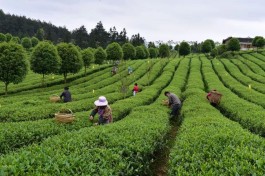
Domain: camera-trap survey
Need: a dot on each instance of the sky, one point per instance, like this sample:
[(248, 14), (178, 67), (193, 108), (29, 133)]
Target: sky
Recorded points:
[(155, 20)]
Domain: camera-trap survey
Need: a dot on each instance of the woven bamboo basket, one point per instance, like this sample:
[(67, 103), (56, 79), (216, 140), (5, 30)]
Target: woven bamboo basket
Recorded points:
[(55, 98), (65, 117), (165, 102), (215, 97)]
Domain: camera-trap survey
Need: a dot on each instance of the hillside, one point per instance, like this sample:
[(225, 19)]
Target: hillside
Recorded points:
[(225, 140)]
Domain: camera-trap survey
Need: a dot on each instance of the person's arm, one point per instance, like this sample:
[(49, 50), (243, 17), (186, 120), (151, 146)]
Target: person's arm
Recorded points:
[(93, 113), (62, 95)]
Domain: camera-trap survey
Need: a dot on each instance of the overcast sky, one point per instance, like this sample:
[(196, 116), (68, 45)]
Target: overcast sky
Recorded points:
[(177, 20)]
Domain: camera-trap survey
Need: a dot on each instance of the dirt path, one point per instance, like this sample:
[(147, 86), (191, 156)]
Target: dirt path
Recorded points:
[(160, 165)]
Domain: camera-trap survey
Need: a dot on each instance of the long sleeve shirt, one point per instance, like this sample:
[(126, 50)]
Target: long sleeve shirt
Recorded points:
[(173, 99), (66, 96), (105, 113)]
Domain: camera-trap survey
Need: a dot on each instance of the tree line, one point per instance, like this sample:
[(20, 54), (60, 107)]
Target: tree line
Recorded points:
[(21, 27), (62, 59)]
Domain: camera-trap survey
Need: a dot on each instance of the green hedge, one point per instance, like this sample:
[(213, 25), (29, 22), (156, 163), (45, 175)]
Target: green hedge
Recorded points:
[(79, 86), (33, 81), (25, 133), (259, 56), (46, 109), (245, 70), (252, 66), (102, 150), (245, 80), (210, 144), (235, 86), (249, 115), (255, 60)]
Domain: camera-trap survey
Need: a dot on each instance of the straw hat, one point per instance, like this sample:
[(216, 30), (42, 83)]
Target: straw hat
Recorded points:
[(102, 101)]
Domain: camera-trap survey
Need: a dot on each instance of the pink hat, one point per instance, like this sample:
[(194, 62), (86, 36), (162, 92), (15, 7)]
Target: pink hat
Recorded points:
[(102, 101)]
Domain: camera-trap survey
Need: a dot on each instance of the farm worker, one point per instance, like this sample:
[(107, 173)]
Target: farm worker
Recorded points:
[(130, 70), (114, 70), (66, 95), (214, 97), (135, 89), (174, 103), (209, 95), (117, 62), (103, 110)]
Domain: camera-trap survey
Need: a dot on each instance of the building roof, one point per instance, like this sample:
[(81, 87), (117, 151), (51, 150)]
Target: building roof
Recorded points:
[(241, 40)]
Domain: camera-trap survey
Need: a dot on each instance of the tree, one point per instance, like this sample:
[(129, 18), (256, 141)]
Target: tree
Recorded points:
[(196, 47), (206, 46), (221, 49), (212, 43), (176, 47), (122, 37), (34, 41), (80, 37), (98, 36), (13, 64), (146, 52), (153, 52), (2, 37), (40, 34), (100, 55), (151, 45), (258, 42), (45, 59), (8, 37), (164, 50), (71, 59), (184, 49), (26, 43), (114, 51), (137, 40), (15, 40), (128, 51), (88, 57), (214, 52), (22, 26), (140, 54), (233, 45), (113, 34)]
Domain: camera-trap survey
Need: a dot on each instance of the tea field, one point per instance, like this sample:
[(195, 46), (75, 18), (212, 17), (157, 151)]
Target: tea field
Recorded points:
[(227, 140)]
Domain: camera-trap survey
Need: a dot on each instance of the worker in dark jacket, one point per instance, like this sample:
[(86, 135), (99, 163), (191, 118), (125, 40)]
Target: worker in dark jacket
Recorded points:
[(66, 95), (174, 103)]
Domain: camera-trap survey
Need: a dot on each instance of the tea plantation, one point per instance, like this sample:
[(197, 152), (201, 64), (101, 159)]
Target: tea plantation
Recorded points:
[(223, 140)]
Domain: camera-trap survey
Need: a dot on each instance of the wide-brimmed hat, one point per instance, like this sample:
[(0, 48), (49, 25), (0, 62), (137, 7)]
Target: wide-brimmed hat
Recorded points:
[(102, 101)]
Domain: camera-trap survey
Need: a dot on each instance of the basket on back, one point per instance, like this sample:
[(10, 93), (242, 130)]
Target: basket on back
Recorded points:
[(65, 116), (215, 97), (55, 98)]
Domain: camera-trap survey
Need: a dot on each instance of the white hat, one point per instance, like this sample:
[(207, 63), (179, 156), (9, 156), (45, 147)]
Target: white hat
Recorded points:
[(102, 101)]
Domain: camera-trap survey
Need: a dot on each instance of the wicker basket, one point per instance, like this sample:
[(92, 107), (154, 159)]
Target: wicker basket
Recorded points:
[(65, 117), (165, 103), (55, 98), (215, 97)]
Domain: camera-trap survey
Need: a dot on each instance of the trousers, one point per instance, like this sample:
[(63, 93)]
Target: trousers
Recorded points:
[(175, 109)]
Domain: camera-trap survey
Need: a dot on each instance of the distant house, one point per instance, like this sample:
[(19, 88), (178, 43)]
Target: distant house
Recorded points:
[(245, 43)]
